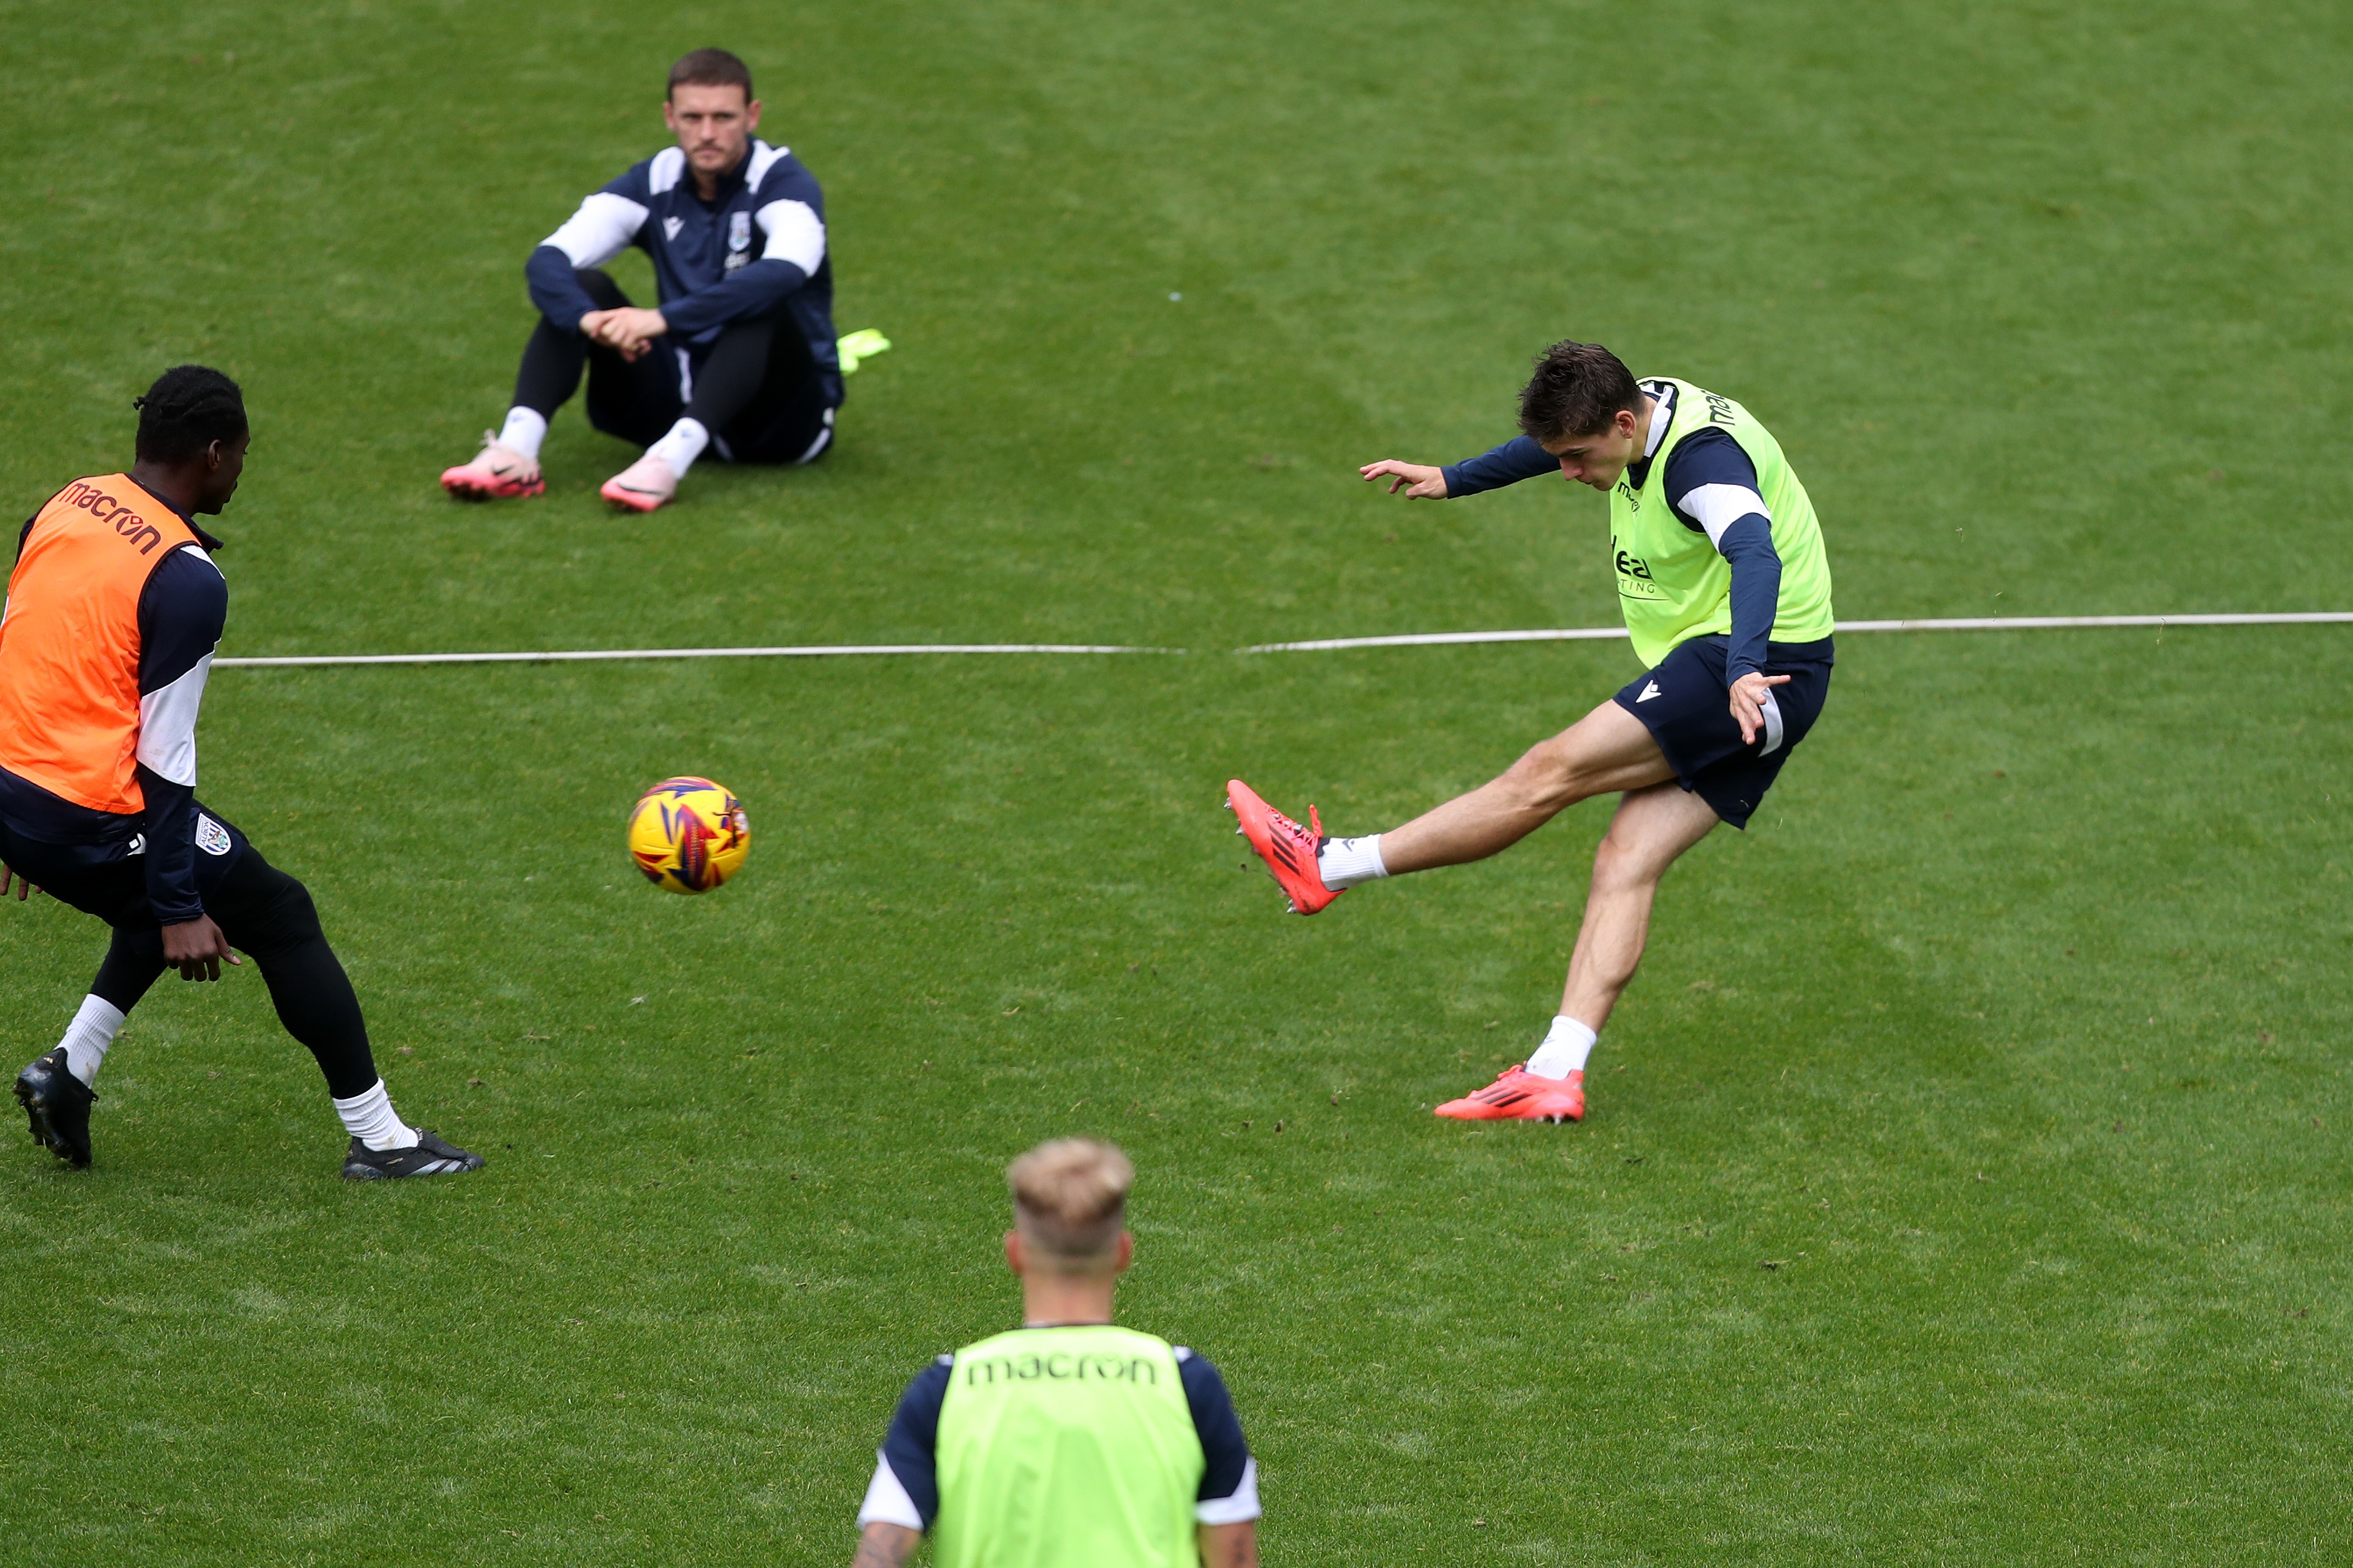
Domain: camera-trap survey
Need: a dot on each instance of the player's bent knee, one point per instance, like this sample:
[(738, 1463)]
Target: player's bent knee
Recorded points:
[(273, 916), (1625, 862), (1546, 778)]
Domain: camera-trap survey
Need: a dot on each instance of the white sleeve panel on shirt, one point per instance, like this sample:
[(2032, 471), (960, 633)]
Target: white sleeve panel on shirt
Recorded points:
[(600, 230), (1233, 1510), (887, 1501), (764, 158), (796, 234), (1718, 507), (167, 724)]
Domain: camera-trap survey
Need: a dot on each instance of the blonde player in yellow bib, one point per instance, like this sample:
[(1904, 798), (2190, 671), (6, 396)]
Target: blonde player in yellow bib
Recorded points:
[(1066, 1443)]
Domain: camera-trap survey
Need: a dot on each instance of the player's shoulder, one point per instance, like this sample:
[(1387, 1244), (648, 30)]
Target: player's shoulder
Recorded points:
[(928, 1387), (1708, 456), (776, 176), (1204, 1383), (193, 565), (649, 177), (187, 585)]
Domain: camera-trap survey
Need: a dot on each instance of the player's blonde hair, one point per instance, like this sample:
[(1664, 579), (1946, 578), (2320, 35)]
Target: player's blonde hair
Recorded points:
[(1070, 1202)]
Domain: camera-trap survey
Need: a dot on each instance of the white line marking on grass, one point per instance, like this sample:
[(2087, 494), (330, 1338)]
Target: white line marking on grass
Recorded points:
[(819, 651), (1973, 623), (1409, 639), (1429, 639)]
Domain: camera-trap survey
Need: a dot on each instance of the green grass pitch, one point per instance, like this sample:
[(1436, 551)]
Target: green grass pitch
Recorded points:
[(1965, 1180)]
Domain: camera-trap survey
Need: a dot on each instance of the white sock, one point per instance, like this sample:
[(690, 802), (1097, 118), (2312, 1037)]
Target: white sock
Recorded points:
[(1345, 862), (685, 442), (525, 428), (1564, 1050), (371, 1118), (86, 1039)]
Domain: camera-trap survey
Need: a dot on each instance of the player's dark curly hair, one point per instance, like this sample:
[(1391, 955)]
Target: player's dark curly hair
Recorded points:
[(711, 67), (189, 407), (1576, 390)]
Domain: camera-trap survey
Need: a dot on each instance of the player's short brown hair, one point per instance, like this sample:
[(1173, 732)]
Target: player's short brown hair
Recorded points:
[(709, 67), (1070, 1202), (1576, 390)]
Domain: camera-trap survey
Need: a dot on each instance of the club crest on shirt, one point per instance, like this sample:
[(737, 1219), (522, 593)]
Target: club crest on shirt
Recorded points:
[(211, 836), (738, 231), (670, 225)]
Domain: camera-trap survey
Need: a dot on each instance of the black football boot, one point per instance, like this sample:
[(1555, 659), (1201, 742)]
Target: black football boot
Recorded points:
[(431, 1157), (58, 1105)]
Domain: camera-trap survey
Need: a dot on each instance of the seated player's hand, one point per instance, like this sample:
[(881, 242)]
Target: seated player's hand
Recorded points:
[(1748, 702), (24, 888), (627, 330), (1419, 480), (195, 948)]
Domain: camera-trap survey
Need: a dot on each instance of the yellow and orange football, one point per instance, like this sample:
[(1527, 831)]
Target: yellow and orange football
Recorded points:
[(689, 835)]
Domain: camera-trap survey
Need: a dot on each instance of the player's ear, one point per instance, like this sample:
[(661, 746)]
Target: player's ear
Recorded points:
[(752, 115), (1126, 1253), (1013, 1250)]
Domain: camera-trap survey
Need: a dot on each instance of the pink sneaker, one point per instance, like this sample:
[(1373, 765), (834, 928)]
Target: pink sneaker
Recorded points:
[(499, 474), (643, 486), (1288, 849), (1518, 1095)]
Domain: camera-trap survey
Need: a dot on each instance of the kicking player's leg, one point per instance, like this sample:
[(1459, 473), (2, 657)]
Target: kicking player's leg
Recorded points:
[(1606, 752), (271, 916), (1651, 829), (1652, 826)]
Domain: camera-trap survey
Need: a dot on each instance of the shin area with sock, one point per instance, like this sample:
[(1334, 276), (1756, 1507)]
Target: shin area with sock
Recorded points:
[(1564, 1050)]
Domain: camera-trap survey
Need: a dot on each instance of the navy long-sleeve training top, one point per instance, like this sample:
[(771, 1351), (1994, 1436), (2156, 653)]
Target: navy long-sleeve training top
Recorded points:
[(760, 244)]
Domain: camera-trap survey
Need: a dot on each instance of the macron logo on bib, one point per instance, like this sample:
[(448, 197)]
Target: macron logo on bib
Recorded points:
[(670, 225)]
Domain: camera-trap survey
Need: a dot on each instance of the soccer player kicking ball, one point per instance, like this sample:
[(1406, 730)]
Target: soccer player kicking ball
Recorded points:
[(1067, 1443), (114, 610), (739, 357), (1724, 589)]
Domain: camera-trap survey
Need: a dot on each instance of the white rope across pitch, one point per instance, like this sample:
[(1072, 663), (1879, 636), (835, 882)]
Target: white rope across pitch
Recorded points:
[(572, 654), (1320, 645), (1966, 624)]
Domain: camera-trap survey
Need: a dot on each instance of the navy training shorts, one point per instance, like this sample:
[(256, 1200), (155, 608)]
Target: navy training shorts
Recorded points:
[(1686, 705), (105, 882)]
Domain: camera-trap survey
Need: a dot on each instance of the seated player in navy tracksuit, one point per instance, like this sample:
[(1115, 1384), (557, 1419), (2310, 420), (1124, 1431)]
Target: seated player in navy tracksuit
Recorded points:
[(740, 356)]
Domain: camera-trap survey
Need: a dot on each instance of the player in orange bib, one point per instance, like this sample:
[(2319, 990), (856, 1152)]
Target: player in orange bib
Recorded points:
[(114, 610)]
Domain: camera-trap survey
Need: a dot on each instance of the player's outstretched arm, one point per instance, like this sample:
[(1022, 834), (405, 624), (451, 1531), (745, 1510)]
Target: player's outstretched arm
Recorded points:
[(1420, 481), (1229, 1545), (882, 1545)]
